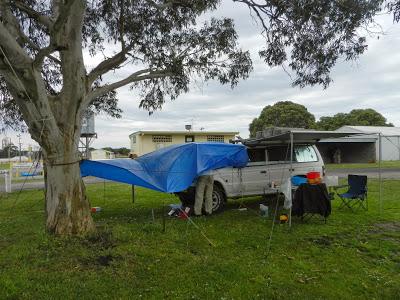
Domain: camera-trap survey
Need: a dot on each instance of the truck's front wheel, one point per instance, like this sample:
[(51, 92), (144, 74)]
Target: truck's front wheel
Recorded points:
[(218, 199)]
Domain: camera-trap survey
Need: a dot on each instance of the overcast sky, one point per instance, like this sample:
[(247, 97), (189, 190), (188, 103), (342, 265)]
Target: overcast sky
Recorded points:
[(371, 82)]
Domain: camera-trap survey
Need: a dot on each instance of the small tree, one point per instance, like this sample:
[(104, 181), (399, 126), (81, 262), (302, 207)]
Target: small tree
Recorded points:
[(45, 85), (282, 114), (357, 117)]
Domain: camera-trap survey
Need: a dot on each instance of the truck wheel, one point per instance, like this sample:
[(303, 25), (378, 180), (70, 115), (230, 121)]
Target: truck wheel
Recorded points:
[(219, 199)]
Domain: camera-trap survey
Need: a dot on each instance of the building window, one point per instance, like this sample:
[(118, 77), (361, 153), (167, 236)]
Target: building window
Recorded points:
[(162, 138), (215, 138), (189, 139), (133, 139)]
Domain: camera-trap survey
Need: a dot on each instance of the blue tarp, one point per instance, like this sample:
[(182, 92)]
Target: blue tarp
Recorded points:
[(171, 169)]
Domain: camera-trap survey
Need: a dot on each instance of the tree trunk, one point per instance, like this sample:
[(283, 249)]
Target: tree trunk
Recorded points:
[(67, 207)]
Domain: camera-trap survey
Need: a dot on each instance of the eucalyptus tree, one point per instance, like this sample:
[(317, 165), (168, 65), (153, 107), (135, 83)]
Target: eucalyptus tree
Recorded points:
[(46, 86)]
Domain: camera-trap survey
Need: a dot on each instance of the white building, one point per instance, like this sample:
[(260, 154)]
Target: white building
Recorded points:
[(145, 141), (390, 139), (102, 154)]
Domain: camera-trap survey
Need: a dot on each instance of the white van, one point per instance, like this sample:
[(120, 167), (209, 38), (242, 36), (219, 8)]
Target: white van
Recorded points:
[(269, 165)]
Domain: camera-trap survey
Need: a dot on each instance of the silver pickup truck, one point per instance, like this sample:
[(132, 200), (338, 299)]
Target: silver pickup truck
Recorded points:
[(268, 166)]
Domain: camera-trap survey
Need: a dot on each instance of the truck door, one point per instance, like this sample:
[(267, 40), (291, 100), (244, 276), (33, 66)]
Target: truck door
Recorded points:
[(255, 176), (278, 163)]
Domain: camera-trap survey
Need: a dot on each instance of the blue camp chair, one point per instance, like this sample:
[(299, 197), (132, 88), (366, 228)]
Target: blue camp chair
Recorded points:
[(356, 196)]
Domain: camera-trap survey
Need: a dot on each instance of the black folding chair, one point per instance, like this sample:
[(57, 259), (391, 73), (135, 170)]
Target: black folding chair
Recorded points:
[(356, 196)]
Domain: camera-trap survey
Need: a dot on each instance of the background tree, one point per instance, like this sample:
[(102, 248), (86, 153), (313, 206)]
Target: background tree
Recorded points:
[(9, 151), (118, 151), (45, 84), (356, 117), (282, 114)]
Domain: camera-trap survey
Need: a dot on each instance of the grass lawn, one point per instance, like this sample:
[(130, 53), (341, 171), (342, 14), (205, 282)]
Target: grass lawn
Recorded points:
[(5, 166), (353, 256), (384, 164)]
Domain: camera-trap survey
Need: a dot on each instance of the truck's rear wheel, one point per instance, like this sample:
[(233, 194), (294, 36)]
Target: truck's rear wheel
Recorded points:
[(218, 198)]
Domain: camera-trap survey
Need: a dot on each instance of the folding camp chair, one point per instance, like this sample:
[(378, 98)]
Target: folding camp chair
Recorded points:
[(356, 196)]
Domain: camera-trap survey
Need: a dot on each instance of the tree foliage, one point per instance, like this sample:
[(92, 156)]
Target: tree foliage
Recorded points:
[(310, 36), (119, 151), (289, 114), (162, 39), (356, 117), (9, 151), (282, 114)]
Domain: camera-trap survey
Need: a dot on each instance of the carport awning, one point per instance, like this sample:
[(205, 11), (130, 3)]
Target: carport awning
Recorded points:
[(171, 169), (300, 136)]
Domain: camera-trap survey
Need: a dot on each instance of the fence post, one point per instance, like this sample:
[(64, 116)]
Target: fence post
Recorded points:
[(7, 179)]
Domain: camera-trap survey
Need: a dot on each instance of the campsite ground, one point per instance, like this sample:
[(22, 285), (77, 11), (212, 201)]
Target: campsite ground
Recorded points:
[(354, 255), (4, 166)]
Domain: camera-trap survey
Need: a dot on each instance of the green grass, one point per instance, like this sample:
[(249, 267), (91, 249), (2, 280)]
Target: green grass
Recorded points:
[(353, 256), (384, 164), (4, 166)]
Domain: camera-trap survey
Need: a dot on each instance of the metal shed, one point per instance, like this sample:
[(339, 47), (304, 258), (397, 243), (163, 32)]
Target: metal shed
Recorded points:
[(363, 148)]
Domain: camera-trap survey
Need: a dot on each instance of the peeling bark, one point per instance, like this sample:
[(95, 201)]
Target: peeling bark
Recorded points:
[(67, 207)]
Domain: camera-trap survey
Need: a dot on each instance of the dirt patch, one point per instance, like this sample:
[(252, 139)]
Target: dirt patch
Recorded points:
[(101, 239), (98, 261), (388, 226), (322, 241), (104, 260)]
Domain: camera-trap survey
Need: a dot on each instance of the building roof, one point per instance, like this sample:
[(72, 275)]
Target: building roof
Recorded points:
[(298, 136), (387, 131), (185, 132)]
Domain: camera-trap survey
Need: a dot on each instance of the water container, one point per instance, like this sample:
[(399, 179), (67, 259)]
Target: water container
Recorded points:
[(264, 211)]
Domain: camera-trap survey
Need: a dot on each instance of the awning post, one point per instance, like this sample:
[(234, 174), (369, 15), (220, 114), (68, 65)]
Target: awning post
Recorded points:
[(380, 172), (290, 178)]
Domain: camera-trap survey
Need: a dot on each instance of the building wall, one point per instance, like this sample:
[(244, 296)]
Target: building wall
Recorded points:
[(144, 143), (101, 154), (350, 152), (390, 148)]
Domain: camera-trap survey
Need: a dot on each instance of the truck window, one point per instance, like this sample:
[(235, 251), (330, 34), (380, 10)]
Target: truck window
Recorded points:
[(279, 154), (256, 155), (305, 153)]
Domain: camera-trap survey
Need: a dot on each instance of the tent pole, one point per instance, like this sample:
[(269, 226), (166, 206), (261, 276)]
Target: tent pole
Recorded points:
[(380, 171), (290, 178)]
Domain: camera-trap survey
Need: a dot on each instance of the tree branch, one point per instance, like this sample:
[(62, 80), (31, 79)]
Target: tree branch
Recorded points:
[(16, 55), (134, 77), (63, 12), (33, 14), (107, 65)]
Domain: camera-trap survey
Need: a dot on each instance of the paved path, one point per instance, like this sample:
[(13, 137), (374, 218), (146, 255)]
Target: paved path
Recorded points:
[(389, 173), (35, 184), (393, 173)]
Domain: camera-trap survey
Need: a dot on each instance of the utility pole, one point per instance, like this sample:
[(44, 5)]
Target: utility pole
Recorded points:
[(19, 142)]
